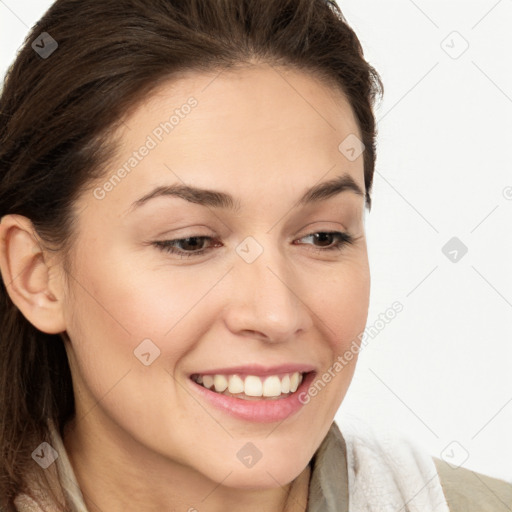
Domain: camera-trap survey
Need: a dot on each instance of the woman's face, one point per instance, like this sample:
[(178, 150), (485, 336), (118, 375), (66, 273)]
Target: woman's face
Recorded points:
[(255, 291)]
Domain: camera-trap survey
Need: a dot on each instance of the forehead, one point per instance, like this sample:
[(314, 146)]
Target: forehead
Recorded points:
[(260, 98), (252, 130)]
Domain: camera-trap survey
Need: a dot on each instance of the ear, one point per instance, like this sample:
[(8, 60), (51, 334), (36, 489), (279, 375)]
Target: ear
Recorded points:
[(33, 284)]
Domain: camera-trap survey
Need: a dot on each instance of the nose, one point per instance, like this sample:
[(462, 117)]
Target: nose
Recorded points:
[(265, 299)]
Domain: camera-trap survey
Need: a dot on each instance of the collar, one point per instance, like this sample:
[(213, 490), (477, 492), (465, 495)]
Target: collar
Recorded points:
[(328, 486)]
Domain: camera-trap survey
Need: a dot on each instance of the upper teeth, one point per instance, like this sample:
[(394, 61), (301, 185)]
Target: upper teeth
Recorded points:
[(252, 385)]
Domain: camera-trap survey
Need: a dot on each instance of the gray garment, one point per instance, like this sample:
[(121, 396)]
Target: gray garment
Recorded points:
[(328, 485), (465, 490)]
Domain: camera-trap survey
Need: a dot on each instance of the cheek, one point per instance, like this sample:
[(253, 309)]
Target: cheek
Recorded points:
[(116, 310), (341, 308), (342, 304), (132, 302)]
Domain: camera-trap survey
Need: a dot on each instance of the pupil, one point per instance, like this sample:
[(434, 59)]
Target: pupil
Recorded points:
[(191, 245), (322, 236)]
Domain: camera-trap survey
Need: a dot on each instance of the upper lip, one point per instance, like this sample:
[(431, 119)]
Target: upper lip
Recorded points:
[(258, 370)]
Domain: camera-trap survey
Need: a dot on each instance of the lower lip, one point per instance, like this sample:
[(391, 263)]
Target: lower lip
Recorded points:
[(257, 411)]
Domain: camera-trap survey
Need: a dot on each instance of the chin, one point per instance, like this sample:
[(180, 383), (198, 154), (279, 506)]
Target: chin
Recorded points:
[(264, 476)]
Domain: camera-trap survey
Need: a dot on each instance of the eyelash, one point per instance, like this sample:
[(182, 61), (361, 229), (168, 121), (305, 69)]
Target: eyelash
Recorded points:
[(169, 245)]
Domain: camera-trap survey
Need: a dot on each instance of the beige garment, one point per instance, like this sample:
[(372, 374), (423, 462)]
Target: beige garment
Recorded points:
[(61, 472), (469, 491), (465, 490)]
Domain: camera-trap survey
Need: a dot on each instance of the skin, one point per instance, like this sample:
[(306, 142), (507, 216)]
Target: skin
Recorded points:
[(140, 436)]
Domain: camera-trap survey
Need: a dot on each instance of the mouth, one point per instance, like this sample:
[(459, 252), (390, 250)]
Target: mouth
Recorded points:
[(252, 387), (255, 393)]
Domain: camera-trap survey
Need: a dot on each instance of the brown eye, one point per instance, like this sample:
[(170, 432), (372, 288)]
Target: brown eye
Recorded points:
[(185, 247), (330, 240)]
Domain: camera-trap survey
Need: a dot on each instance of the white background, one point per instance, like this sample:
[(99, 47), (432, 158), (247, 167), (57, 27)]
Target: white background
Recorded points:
[(441, 370)]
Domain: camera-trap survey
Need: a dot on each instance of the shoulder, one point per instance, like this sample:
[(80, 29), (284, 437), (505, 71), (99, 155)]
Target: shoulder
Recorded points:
[(468, 491)]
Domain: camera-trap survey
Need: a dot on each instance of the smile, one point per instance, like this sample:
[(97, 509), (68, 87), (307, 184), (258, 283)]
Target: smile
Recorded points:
[(251, 387), (254, 393)]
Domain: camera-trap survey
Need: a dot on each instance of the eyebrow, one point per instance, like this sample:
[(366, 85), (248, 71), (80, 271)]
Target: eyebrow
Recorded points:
[(218, 199)]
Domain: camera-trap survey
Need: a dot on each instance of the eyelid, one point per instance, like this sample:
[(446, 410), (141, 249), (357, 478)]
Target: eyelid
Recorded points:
[(323, 227), (188, 232)]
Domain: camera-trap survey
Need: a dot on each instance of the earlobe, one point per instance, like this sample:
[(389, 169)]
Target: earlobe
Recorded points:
[(32, 283)]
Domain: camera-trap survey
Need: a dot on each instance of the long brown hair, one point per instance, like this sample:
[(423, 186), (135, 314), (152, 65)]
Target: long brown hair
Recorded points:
[(57, 111)]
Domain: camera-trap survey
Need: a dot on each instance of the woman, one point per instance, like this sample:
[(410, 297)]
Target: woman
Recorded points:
[(183, 257)]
